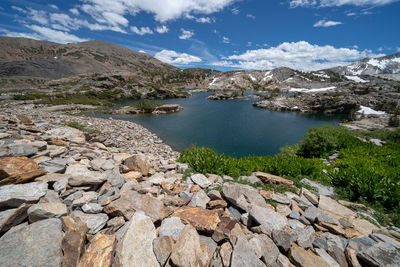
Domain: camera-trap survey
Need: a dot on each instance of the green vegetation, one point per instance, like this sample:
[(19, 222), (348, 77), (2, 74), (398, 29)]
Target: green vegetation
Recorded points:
[(364, 172), (82, 127), (146, 106)]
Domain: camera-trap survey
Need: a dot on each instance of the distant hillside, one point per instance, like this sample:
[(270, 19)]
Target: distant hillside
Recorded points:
[(22, 57)]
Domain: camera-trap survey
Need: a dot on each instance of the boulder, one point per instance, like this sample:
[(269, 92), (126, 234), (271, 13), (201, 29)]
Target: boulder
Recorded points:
[(200, 180), (273, 179), (92, 208), (268, 218), (208, 247), (242, 196), (380, 254), (43, 211), (73, 244), (333, 207), (100, 251), (163, 247), (37, 244), (131, 201), (244, 254), (284, 239), (226, 253), (305, 258), (199, 199), (187, 249), (137, 163), (11, 166), (171, 226), (67, 133), (13, 217), (54, 166), (167, 108), (17, 150), (94, 222), (201, 219), (136, 246), (15, 195), (322, 189)]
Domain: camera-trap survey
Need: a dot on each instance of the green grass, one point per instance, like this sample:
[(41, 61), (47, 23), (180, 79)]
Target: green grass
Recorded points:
[(364, 172), (146, 106), (82, 127)]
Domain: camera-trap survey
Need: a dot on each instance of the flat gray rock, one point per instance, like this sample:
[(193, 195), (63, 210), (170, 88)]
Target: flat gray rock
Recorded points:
[(54, 166), (15, 195), (200, 180), (18, 150), (94, 222), (244, 254), (380, 254), (136, 245), (172, 226), (37, 244), (43, 211), (267, 217), (199, 199), (322, 189), (242, 196)]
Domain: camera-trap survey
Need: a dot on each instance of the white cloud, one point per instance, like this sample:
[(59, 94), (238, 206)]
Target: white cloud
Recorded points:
[(332, 3), (235, 11), (142, 30), (186, 34), (327, 23), (172, 57), (297, 55), (225, 40), (38, 16), (163, 10), (74, 11), (53, 6), (204, 20), (19, 9), (251, 16), (44, 33), (162, 29), (351, 14)]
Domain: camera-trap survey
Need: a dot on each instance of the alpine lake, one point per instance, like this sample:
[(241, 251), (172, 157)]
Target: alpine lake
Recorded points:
[(233, 127)]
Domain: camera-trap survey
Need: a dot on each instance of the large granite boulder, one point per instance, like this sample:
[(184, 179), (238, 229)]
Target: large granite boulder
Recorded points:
[(37, 244)]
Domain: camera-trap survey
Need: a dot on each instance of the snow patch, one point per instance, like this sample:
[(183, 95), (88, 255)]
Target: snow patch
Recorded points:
[(305, 90), (369, 111), (213, 82), (252, 78), (268, 75), (356, 79), (322, 75)]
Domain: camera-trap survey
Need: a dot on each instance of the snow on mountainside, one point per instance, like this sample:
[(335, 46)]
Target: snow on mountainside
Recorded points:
[(372, 66)]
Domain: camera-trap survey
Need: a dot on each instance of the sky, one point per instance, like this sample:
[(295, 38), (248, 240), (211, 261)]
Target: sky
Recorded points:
[(218, 34)]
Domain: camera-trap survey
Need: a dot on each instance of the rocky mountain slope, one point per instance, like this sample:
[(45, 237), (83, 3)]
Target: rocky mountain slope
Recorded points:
[(371, 66), (119, 198), (21, 57)]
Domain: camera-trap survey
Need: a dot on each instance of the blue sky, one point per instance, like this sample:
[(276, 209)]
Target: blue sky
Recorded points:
[(218, 34)]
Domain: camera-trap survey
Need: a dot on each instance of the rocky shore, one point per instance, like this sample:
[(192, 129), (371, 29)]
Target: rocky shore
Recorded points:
[(226, 96), (116, 196), (162, 109)]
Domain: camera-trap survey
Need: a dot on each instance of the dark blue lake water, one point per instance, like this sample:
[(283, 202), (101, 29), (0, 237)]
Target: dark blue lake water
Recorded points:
[(233, 127)]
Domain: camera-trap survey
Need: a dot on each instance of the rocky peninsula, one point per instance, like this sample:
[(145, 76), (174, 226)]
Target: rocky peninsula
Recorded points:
[(113, 194)]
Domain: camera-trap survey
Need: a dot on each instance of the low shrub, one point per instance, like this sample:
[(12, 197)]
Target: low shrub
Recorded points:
[(146, 106)]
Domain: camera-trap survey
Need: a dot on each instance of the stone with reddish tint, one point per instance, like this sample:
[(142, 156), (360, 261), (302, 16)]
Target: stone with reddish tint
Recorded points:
[(201, 219)]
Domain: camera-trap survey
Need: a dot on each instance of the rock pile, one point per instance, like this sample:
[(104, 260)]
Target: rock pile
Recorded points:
[(65, 201)]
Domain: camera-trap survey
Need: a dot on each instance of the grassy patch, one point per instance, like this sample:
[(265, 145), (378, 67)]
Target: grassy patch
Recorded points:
[(82, 127), (364, 172), (146, 106)]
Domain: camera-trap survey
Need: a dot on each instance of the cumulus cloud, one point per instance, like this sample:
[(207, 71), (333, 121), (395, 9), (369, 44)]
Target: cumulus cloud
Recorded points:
[(142, 30), (332, 3), (161, 9), (53, 6), (38, 16), (297, 55), (251, 16), (162, 29), (186, 34), (172, 57), (225, 40), (327, 23), (45, 33), (74, 11)]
